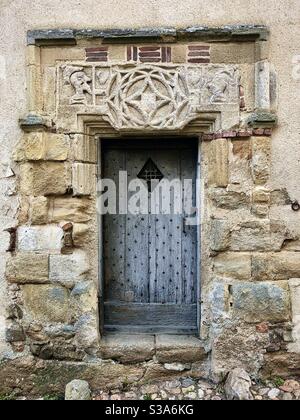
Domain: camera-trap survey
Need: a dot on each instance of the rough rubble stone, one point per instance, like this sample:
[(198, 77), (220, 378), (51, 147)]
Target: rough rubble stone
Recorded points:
[(78, 391), (238, 384)]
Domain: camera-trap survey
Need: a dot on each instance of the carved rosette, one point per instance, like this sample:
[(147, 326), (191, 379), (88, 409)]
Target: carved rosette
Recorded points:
[(150, 97)]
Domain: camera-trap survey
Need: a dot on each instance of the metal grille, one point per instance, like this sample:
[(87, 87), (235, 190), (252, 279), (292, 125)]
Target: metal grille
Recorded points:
[(150, 173)]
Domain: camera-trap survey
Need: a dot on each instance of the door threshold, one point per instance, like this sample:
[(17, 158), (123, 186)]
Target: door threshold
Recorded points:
[(166, 348)]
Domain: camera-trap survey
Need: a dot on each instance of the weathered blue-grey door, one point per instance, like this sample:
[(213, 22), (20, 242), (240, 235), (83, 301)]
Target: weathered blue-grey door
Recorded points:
[(150, 260)]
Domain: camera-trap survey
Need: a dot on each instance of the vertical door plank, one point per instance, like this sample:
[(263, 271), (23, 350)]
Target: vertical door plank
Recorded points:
[(137, 248), (114, 234), (168, 235), (189, 236)]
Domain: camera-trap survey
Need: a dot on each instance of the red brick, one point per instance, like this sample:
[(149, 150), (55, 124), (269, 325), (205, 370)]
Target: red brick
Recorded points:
[(229, 134), (129, 53), (134, 53), (169, 54), (199, 60), (146, 49), (246, 133), (91, 50), (199, 54), (268, 132), (149, 54), (150, 60), (208, 137), (94, 60), (199, 47), (258, 132), (95, 55)]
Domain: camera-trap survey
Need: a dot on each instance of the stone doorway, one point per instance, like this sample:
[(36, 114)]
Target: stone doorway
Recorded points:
[(151, 269)]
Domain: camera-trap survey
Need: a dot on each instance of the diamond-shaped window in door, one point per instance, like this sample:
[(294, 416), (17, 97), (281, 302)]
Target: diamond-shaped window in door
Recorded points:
[(150, 173)]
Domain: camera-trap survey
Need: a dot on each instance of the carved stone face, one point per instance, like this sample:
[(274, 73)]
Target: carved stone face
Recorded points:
[(79, 81)]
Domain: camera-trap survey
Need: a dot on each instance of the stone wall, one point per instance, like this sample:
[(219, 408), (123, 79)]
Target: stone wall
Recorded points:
[(250, 234)]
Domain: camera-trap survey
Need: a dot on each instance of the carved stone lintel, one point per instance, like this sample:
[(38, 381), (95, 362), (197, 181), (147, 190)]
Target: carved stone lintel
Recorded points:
[(150, 97)]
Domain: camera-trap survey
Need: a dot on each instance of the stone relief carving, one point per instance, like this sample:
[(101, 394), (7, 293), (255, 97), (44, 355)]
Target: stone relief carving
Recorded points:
[(218, 85), (80, 82), (150, 96)]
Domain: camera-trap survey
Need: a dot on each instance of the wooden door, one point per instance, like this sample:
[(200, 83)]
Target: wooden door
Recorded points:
[(150, 260)]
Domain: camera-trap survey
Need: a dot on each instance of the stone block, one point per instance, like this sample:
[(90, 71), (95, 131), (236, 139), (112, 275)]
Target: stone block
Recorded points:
[(70, 209), (261, 159), (14, 333), (233, 265), (179, 348), (68, 269), (28, 268), (219, 235), (218, 164), (81, 234), (39, 238), (262, 85), (85, 297), (295, 300), (261, 196), (38, 212), (258, 302), (229, 200), (78, 391), (260, 210), (47, 303), (277, 266), (259, 236), (127, 348), (84, 148), (83, 179), (43, 179), (43, 146)]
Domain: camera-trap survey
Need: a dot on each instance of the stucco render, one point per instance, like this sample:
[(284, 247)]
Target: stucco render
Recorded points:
[(282, 19)]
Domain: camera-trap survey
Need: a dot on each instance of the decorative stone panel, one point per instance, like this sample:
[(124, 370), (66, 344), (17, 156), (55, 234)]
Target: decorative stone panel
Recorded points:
[(148, 97)]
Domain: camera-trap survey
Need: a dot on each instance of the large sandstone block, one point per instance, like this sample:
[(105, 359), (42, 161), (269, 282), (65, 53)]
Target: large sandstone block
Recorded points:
[(28, 268), (38, 179), (259, 236), (43, 146), (257, 302), (83, 179), (38, 210), (47, 303), (70, 209), (233, 265), (219, 235), (68, 269), (261, 159), (84, 149), (127, 348), (39, 238), (218, 163), (182, 349), (278, 266)]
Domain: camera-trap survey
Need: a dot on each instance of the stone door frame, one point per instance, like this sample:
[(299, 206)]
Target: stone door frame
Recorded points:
[(129, 136)]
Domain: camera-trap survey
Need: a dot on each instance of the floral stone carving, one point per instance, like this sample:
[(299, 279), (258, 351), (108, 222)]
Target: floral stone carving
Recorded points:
[(149, 96)]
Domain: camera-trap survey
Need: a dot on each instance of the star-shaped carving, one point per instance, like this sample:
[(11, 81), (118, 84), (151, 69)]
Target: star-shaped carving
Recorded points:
[(147, 100)]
